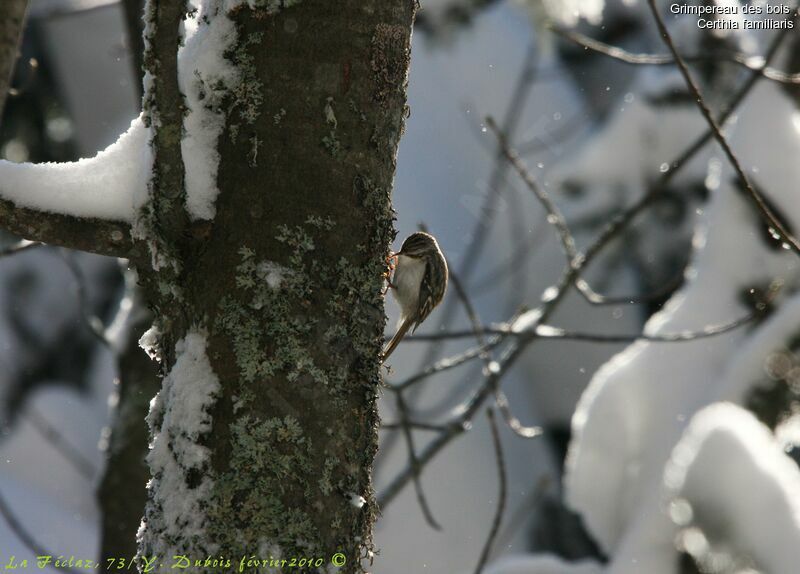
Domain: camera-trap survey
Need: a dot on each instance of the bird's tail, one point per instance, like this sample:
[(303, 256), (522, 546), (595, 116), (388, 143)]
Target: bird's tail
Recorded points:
[(405, 325)]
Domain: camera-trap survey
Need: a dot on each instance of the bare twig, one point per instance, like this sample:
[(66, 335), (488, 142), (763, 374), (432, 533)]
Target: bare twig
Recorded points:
[(502, 496), (458, 426), (72, 455), (485, 218), (412, 455), (442, 365), (755, 197), (734, 103), (543, 331), (24, 536), (557, 292), (519, 429), (21, 245), (554, 216), (92, 321), (414, 425), (499, 396), (622, 55)]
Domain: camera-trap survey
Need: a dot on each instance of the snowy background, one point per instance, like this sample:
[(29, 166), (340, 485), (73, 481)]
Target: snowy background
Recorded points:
[(669, 441)]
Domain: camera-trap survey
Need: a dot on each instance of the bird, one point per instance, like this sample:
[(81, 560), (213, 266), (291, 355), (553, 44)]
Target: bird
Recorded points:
[(418, 283)]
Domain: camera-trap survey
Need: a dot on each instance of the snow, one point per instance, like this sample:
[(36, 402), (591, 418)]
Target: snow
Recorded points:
[(205, 78), (357, 501), (180, 416), (568, 12), (743, 491), (111, 185), (149, 342), (273, 273), (637, 406)]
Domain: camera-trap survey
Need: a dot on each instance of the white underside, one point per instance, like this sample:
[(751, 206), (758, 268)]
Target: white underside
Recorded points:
[(407, 279)]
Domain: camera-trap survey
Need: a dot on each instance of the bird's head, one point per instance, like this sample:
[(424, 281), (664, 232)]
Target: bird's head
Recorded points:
[(419, 244)]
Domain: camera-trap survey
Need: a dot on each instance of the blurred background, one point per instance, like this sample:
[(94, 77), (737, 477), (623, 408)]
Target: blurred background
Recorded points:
[(595, 132)]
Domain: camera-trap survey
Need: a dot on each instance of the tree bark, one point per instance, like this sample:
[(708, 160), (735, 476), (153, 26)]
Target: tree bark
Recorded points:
[(283, 288), (12, 20)]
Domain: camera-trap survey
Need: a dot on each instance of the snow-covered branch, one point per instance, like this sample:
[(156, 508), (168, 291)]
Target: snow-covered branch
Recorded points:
[(88, 204)]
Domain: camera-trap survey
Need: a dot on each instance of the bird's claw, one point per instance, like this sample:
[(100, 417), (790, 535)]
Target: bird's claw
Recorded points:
[(391, 262)]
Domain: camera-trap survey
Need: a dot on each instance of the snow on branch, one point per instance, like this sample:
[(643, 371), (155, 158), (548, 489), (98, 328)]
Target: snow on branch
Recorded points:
[(88, 204), (92, 204)]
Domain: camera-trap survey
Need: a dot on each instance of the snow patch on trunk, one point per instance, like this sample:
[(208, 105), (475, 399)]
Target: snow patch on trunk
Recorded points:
[(179, 418), (205, 77)]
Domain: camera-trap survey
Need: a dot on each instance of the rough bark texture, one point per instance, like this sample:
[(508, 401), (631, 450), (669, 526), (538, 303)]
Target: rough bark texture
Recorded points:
[(286, 282), (12, 19), (85, 234)]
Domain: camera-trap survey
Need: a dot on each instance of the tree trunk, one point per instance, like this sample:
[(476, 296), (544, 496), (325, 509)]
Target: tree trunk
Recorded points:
[(122, 494), (269, 318), (12, 20)]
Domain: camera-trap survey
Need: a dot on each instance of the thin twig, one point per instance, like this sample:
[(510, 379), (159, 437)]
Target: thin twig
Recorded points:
[(485, 218), (461, 424), (733, 104), (92, 321), (500, 398), (554, 216), (626, 57), (543, 331), (24, 536), (415, 466), (558, 291), (52, 435), (502, 497), (755, 197), (441, 365), (21, 245), (414, 425)]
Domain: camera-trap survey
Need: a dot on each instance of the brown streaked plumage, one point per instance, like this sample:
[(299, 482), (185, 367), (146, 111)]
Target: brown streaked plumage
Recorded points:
[(419, 283)]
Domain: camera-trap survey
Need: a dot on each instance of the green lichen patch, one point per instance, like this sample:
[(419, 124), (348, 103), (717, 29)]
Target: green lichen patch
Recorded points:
[(271, 463), (247, 96), (280, 347)]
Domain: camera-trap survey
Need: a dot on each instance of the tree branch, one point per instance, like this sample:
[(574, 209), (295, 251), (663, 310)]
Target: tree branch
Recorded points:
[(755, 197), (22, 533), (502, 496), (626, 57), (543, 331), (163, 108), (91, 234), (556, 293)]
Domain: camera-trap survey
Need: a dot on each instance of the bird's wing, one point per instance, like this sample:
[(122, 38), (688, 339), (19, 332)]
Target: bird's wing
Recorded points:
[(428, 298)]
